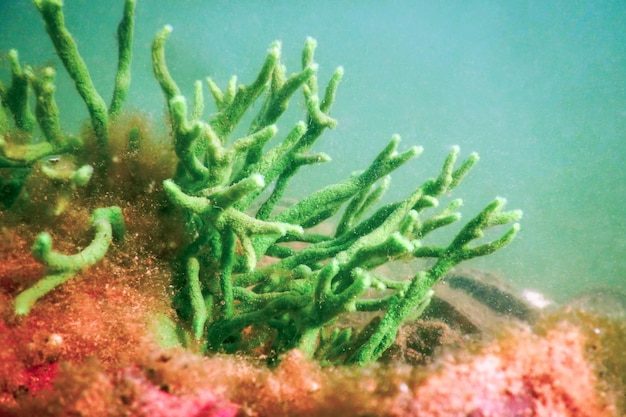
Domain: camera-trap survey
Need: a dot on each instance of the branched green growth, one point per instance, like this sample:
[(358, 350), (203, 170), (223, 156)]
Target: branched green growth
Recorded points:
[(51, 12), (15, 98), (18, 149), (67, 51), (42, 166), (419, 288), (20, 146), (251, 275), (108, 225), (230, 301)]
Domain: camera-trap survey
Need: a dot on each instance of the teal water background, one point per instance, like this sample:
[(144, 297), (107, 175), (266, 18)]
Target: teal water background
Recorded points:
[(537, 88)]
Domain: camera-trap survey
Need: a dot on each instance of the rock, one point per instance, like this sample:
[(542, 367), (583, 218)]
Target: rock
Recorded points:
[(474, 301)]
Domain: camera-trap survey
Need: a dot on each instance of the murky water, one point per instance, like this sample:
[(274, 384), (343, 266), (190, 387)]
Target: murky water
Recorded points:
[(537, 88)]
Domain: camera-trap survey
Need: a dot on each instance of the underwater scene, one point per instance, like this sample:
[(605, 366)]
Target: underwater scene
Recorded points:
[(294, 208)]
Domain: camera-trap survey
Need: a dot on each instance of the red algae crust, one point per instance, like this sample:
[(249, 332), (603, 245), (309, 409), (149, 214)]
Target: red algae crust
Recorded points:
[(90, 349), (522, 374)]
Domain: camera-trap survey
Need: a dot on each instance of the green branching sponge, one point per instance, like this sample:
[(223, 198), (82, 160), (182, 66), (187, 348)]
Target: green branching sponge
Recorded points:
[(21, 147), (17, 147), (44, 167), (67, 50), (251, 276), (108, 225)]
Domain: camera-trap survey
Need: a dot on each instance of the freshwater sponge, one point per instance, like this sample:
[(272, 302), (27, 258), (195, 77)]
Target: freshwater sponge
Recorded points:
[(230, 302), (252, 275)]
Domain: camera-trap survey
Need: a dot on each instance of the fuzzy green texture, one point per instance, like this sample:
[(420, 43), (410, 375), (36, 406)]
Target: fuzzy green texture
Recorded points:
[(36, 160), (15, 98), (125, 31), (108, 225), (67, 50), (19, 122), (20, 148), (253, 275), (229, 191)]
